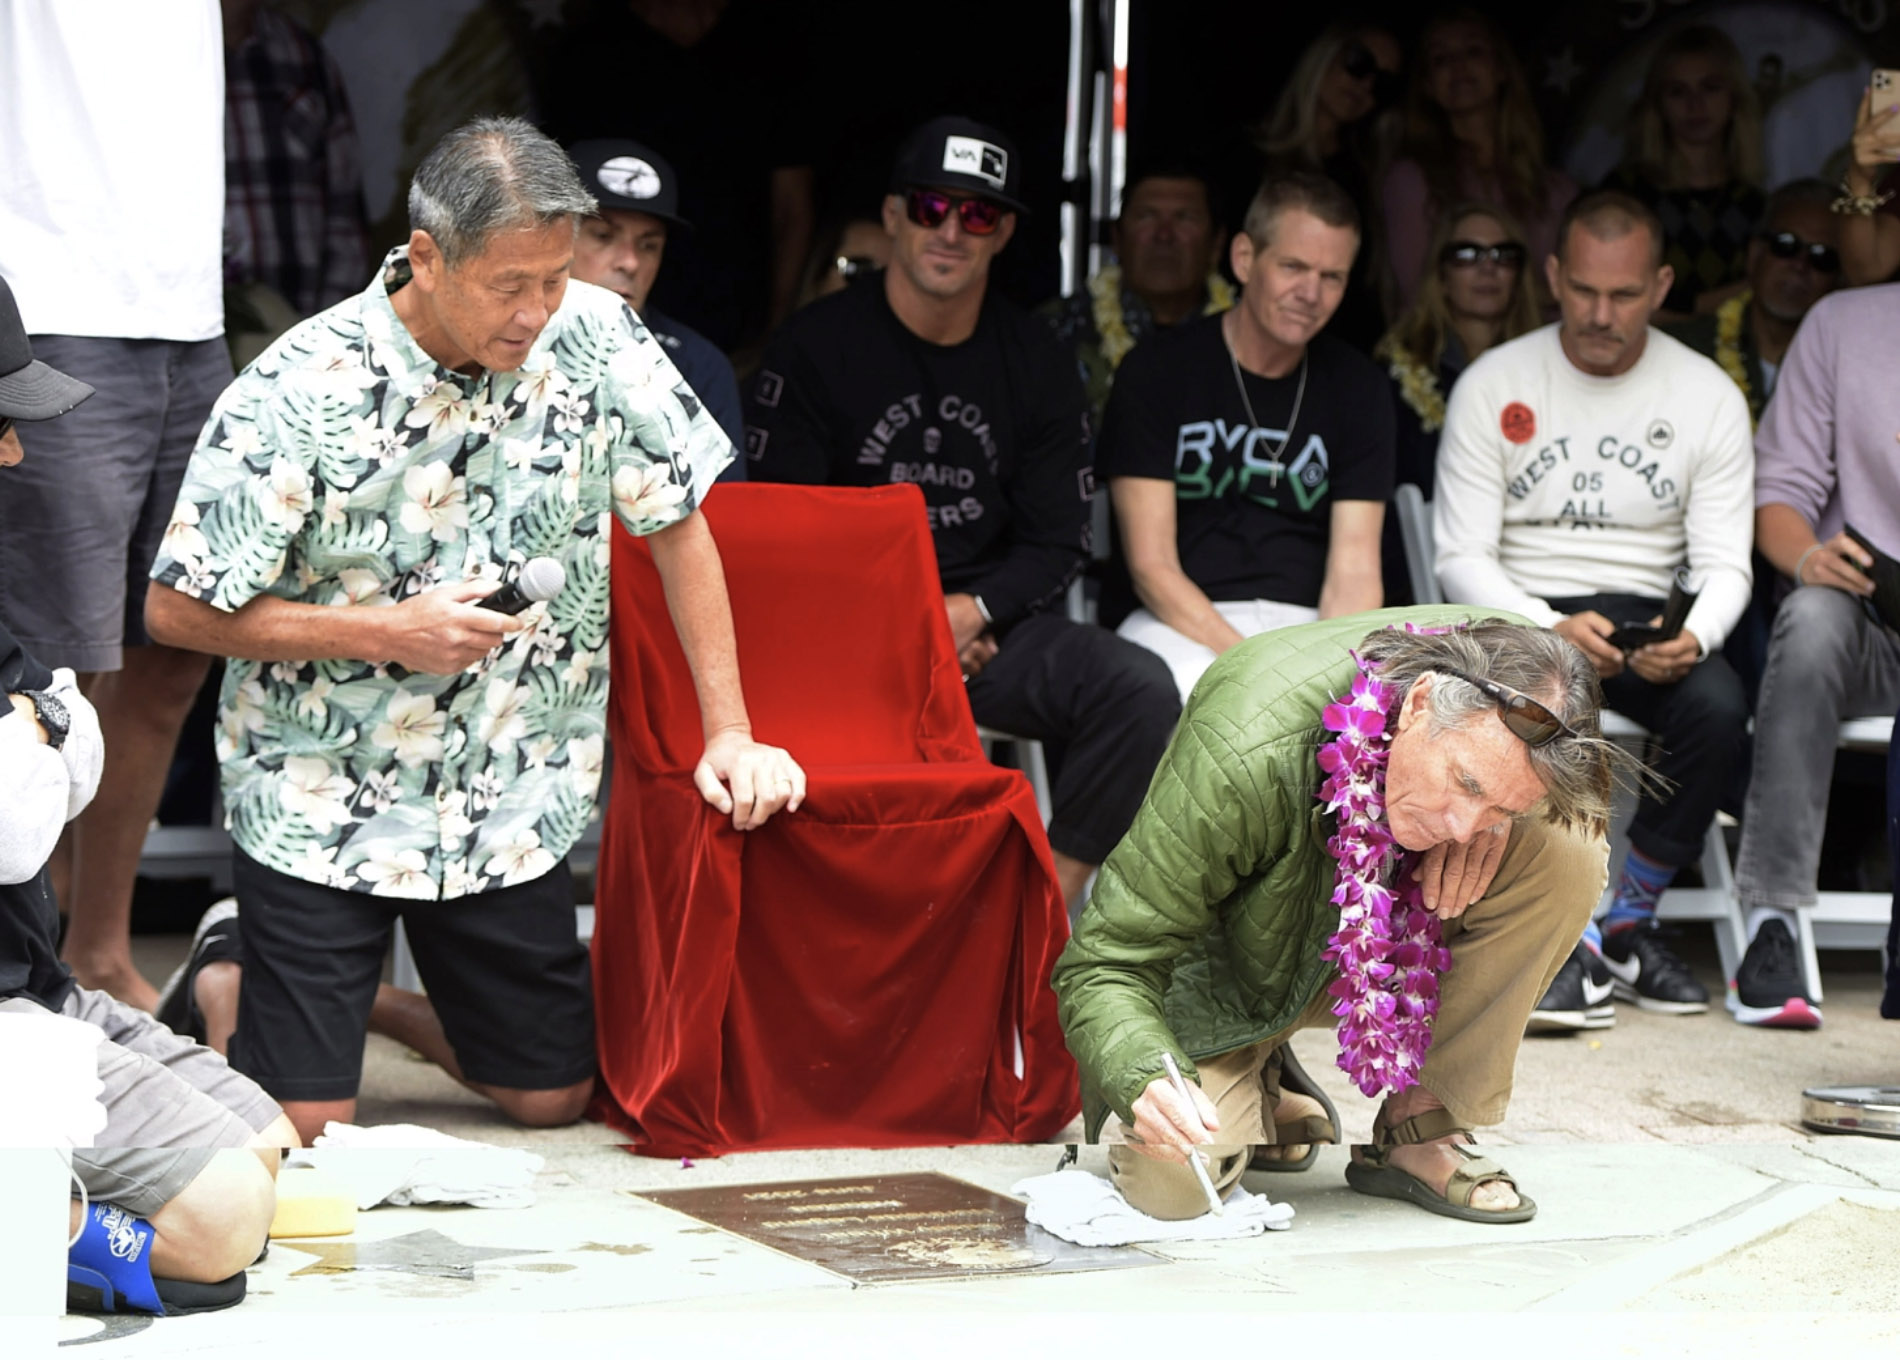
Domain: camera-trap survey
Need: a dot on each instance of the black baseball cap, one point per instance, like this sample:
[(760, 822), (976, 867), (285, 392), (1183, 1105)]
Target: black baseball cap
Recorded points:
[(958, 153), (623, 174), (29, 389)]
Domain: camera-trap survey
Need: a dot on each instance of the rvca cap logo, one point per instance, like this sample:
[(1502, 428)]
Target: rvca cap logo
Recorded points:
[(629, 177), (973, 156)]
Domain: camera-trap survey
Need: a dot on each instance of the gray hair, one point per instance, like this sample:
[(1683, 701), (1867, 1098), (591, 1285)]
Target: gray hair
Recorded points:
[(1577, 773), (490, 175)]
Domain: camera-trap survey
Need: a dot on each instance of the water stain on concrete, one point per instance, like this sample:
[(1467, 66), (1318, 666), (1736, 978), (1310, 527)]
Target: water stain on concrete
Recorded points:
[(549, 1268), (622, 1248)]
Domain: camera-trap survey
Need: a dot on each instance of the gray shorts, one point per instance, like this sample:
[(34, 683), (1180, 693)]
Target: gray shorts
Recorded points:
[(169, 1104), (82, 517)]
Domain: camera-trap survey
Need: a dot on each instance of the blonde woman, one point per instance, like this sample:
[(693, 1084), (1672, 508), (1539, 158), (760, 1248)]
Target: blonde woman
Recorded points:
[(1693, 153), (1471, 132), (1476, 296), (1338, 115)]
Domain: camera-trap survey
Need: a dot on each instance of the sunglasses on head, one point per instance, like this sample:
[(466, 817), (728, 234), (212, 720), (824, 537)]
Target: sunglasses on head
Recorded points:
[(1469, 255), (1785, 245), (1528, 720), (928, 207)]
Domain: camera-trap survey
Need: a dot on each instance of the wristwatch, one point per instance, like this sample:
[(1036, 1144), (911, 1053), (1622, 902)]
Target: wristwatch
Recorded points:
[(52, 715)]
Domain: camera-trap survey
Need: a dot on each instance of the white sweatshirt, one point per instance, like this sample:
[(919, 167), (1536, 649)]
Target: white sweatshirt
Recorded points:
[(1554, 483)]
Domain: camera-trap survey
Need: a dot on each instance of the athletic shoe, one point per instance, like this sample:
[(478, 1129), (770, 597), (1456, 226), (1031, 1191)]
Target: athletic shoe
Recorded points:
[(1645, 971), (215, 940), (1578, 999), (1768, 988)]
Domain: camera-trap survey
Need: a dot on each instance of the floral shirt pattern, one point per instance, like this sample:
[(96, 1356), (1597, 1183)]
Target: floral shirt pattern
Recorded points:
[(345, 467)]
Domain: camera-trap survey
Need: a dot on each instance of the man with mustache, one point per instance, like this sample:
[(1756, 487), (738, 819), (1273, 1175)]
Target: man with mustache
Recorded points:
[(1250, 457), (1581, 466)]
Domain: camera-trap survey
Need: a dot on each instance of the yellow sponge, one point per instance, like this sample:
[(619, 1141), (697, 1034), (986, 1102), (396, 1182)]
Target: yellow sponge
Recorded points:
[(310, 1204)]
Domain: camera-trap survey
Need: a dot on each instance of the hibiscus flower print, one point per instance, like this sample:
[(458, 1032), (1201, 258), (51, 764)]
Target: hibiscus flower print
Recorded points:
[(442, 408), (316, 792), (646, 493), (243, 440), (412, 728), (397, 873), (372, 443), (184, 542), (537, 385), (520, 860), (381, 790), (437, 504), (503, 722), (285, 495), (570, 412)]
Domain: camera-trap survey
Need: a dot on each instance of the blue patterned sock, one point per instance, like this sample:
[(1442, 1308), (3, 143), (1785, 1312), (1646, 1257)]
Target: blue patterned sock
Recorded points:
[(1636, 892), (1593, 938)]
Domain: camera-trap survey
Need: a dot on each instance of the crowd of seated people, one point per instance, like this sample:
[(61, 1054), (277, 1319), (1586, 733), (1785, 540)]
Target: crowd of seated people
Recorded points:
[(1674, 375)]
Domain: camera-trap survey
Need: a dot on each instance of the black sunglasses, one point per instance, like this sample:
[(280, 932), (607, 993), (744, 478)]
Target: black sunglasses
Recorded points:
[(1528, 720), (928, 207), (1357, 61), (1469, 255), (1785, 245)]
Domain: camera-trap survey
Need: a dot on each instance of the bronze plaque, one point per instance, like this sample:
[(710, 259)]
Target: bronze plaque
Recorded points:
[(884, 1229)]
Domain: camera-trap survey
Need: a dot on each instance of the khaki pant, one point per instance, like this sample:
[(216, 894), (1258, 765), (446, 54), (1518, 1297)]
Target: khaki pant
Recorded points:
[(1505, 951)]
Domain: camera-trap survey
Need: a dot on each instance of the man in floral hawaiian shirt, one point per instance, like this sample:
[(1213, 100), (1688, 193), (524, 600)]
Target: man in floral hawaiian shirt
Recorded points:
[(377, 471)]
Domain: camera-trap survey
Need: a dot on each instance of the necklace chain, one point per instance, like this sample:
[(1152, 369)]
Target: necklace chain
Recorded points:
[(1299, 397)]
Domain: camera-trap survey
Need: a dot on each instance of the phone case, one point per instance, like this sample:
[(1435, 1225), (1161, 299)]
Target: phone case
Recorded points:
[(1886, 90), (1886, 574), (1630, 636)]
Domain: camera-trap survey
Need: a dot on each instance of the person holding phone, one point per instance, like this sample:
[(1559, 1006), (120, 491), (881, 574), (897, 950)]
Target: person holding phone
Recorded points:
[(1826, 445), (1581, 465), (1868, 205)]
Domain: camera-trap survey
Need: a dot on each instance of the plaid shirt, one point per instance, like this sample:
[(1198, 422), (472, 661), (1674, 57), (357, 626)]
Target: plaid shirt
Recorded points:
[(293, 186)]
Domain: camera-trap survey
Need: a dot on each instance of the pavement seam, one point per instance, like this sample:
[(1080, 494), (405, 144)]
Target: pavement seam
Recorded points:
[(1828, 1161)]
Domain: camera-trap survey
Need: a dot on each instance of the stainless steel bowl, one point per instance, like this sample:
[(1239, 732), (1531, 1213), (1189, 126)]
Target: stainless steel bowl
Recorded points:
[(1853, 1109)]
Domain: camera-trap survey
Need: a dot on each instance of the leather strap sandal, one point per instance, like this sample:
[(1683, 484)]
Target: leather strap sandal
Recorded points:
[(1283, 1075), (1371, 1171)]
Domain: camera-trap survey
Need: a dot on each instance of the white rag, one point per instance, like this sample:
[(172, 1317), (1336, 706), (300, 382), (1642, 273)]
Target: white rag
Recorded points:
[(1085, 1209), (407, 1164)]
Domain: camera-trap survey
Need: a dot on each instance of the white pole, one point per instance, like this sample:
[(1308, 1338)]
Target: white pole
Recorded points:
[(1072, 133)]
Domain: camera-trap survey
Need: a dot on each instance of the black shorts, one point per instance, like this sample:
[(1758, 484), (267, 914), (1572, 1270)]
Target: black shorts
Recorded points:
[(507, 975)]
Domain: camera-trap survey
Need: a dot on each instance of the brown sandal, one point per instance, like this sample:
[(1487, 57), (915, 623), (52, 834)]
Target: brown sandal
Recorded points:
[(1371, 1171), (1283, 1075)]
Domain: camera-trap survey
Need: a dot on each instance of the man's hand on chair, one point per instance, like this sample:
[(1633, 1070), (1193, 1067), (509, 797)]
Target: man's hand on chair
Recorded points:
[(748, 778)]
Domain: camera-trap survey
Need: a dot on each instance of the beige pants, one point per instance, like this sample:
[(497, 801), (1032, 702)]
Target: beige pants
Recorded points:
[(1505, 951)]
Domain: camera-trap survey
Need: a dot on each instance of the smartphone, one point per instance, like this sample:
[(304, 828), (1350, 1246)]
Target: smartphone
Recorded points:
[(1886, 92), (1629, 636)]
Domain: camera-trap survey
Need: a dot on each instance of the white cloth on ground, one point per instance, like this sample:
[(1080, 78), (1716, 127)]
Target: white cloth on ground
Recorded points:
[(1083, 1208), (407, 1164)]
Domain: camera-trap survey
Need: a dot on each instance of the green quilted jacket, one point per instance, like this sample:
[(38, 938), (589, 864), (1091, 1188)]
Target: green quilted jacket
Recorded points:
[(1206, 924)]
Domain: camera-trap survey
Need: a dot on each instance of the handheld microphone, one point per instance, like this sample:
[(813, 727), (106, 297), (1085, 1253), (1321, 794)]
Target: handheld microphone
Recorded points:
[(541, 579)]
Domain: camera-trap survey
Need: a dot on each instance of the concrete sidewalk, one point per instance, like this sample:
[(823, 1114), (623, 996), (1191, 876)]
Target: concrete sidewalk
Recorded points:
[(1683, 1210)]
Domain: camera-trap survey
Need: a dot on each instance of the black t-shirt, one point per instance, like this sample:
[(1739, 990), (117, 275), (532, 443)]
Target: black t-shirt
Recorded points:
[(993, 431), (29, 918), (1248, 525)]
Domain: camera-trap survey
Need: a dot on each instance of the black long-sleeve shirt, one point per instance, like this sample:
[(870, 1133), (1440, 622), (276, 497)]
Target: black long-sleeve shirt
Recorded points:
[(993, 431)]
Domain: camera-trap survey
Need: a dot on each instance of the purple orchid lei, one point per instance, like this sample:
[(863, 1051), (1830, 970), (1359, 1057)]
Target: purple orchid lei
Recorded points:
[(1388, 947)]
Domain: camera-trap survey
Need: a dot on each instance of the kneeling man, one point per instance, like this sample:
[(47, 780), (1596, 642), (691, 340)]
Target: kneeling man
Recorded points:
[(1255, 895)]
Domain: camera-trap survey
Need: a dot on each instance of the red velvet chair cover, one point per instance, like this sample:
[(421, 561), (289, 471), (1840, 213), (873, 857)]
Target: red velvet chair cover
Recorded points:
[(871, 971)]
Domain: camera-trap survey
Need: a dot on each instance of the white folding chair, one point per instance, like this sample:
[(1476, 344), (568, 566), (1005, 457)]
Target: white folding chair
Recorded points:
[(1715, 901)]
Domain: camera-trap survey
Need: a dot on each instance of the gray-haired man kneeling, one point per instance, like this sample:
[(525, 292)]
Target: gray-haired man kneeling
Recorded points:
[(379, 470)]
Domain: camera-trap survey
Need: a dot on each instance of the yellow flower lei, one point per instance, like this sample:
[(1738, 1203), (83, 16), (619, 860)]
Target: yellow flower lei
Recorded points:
[(1105, 298), (1728, 346), (1418, 385)]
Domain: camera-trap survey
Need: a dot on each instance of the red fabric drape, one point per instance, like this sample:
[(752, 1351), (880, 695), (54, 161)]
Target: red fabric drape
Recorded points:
[(872, 970)]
